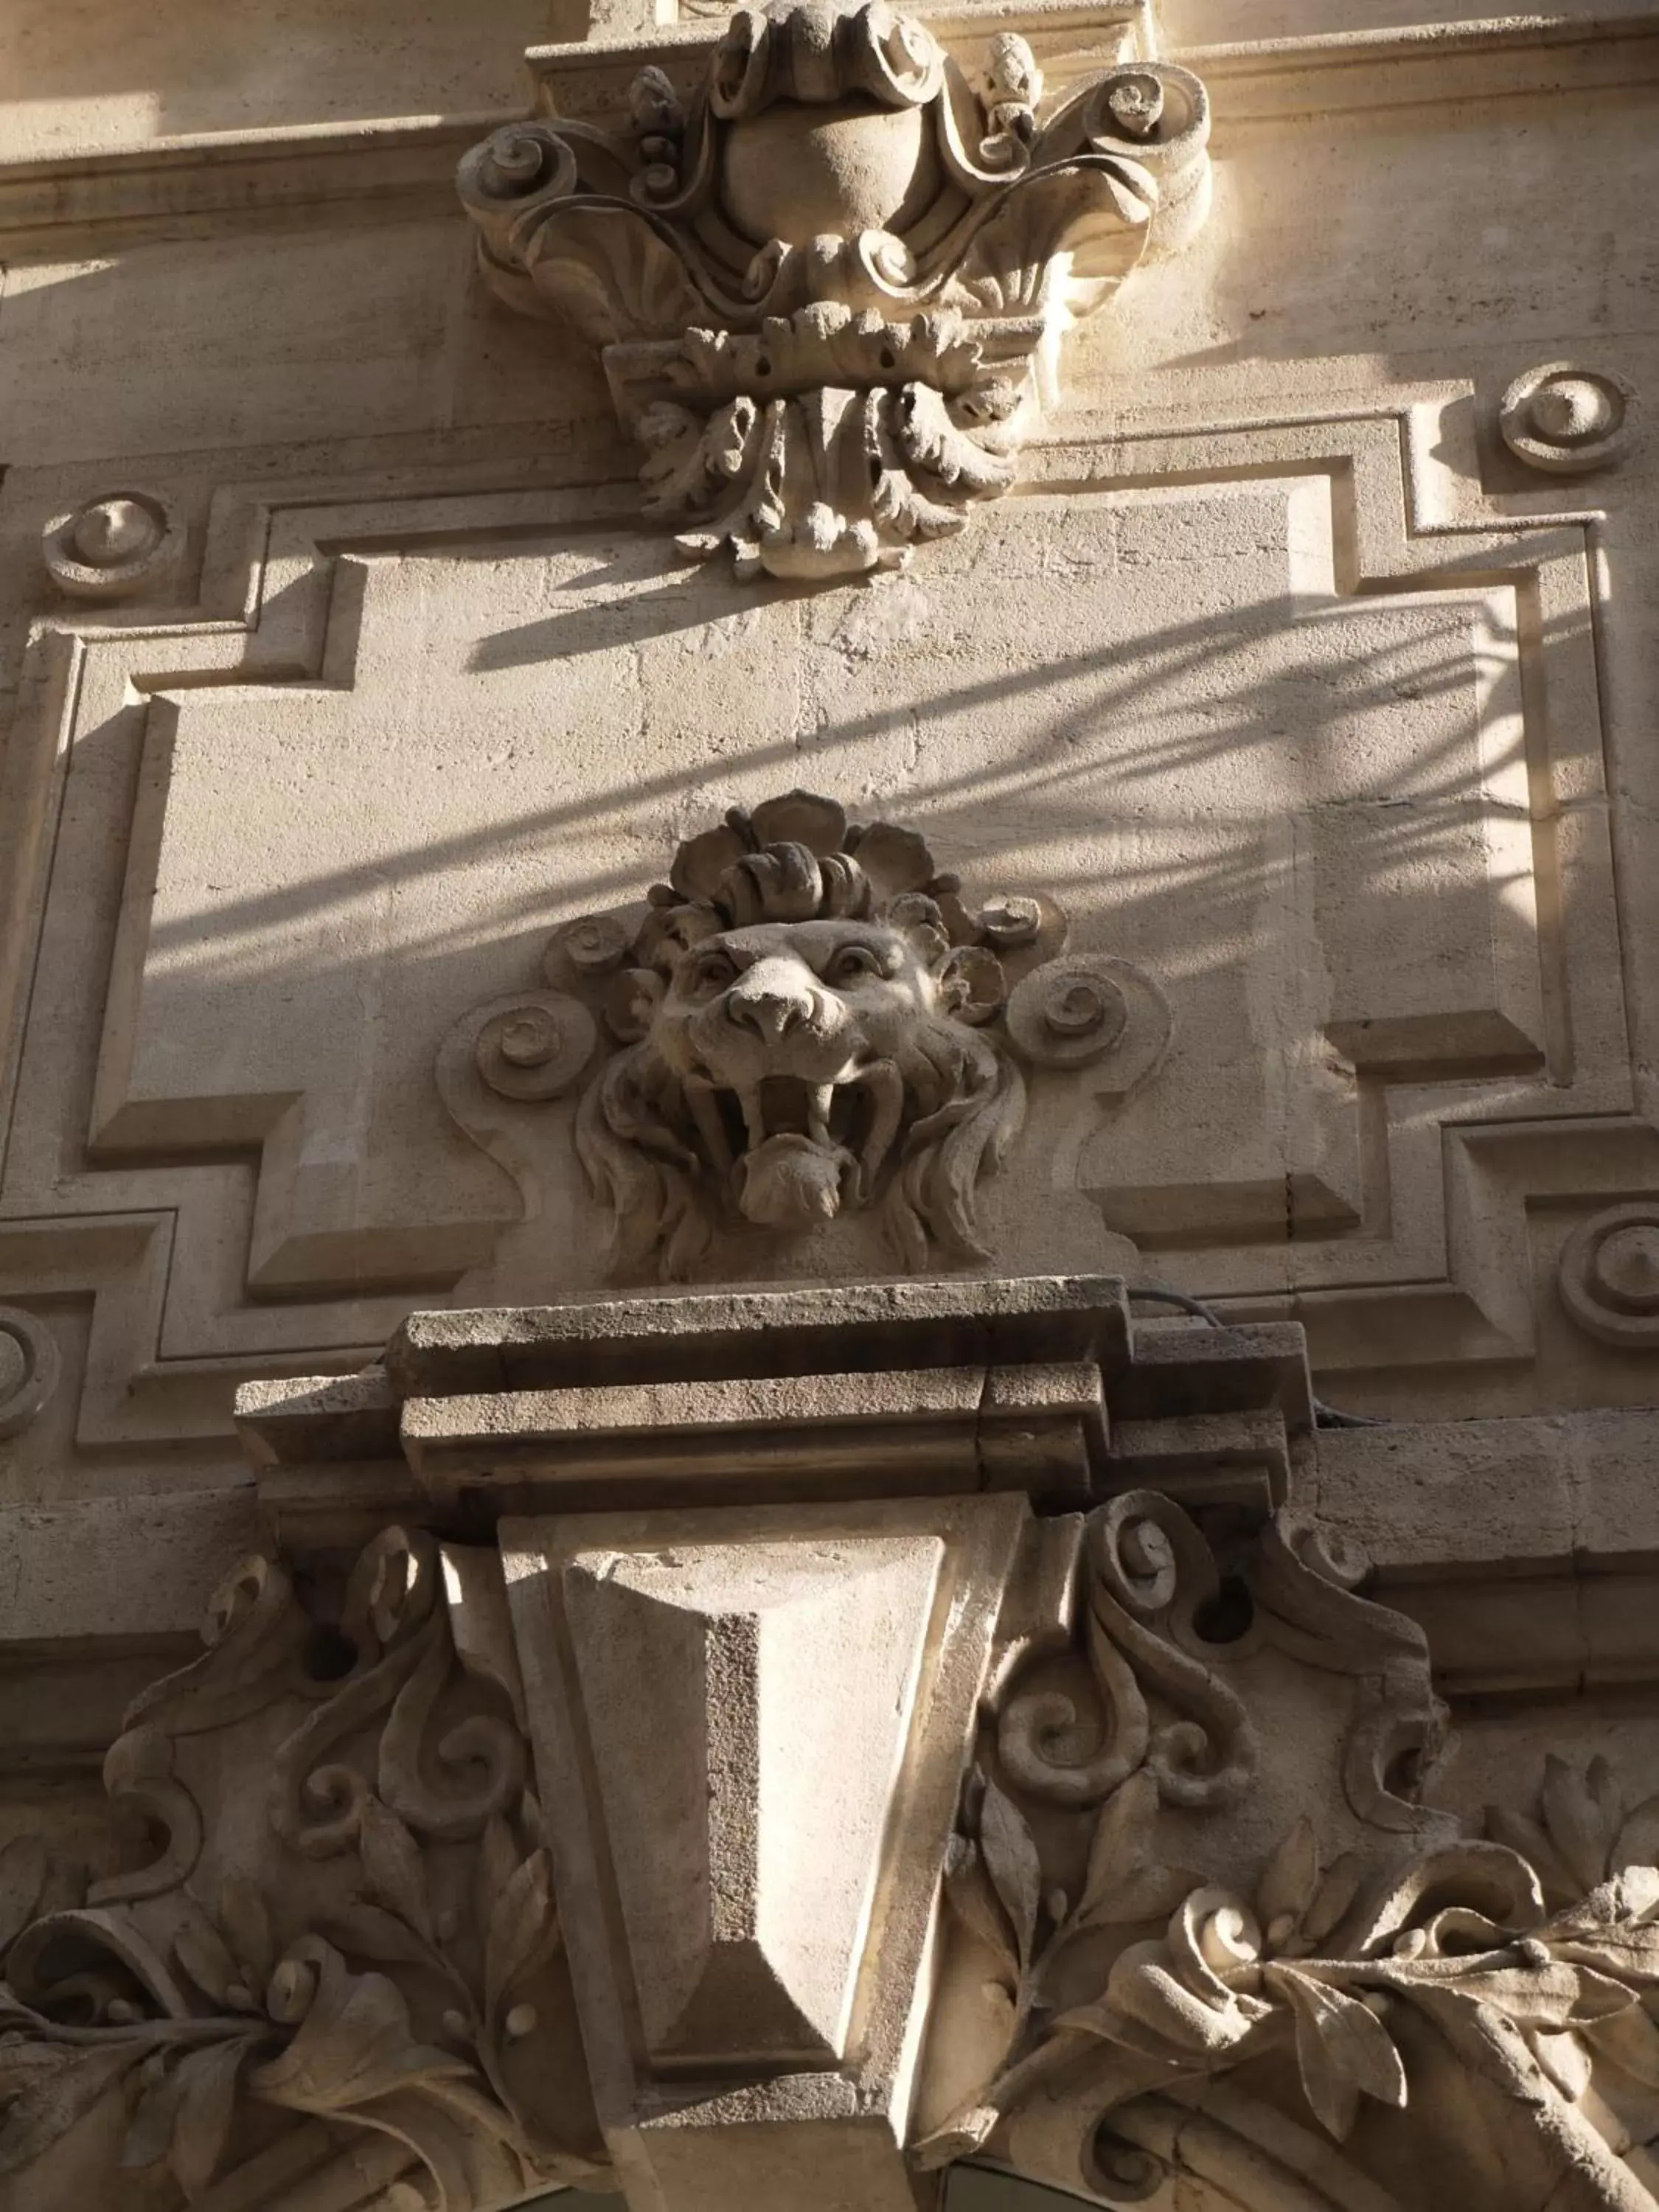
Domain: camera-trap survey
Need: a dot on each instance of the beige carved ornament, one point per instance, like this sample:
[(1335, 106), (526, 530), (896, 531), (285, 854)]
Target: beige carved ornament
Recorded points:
[(1202, 1944), (1204, 1955), (334, 1958), (828, 288), (809, 1019)]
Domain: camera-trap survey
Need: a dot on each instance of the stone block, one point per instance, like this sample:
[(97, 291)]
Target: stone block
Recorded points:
[(1494, 1496), (113, 1571), (749, 1726)]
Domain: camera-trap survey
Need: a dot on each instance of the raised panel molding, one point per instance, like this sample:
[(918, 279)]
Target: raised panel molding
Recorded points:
[(1457, 659)]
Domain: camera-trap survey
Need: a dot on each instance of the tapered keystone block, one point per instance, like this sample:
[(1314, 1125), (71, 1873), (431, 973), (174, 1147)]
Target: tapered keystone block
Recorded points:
[(749, 1727), (753, 1703)]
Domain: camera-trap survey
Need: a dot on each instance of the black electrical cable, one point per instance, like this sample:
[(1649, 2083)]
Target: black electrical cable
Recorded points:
[(1325, 1417)]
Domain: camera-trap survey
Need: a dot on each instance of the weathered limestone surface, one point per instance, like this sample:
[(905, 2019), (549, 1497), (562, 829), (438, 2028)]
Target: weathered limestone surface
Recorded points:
[(779, 892), (96, 76)]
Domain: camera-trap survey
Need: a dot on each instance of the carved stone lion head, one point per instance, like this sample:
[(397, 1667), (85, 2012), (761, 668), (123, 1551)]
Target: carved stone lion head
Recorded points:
[(804, 1013)]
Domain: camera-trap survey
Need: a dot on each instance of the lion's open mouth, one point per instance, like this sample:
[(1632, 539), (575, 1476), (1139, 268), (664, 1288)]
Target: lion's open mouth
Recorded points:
[(851, 1122)]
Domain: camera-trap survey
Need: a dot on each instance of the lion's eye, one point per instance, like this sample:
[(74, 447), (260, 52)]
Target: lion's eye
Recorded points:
[(715, 971), (854, 963)]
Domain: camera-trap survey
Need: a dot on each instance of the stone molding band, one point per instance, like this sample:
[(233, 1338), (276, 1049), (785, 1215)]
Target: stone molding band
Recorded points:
[(223, 176)]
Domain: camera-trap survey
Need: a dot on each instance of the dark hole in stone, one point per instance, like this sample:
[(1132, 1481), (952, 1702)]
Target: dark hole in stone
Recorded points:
[(477, 1508), (1226, 1616), (1403, 1775), (330, 1655)]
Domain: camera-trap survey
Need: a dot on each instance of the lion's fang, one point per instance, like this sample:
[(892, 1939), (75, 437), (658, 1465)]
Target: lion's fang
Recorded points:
[(754, 1120)]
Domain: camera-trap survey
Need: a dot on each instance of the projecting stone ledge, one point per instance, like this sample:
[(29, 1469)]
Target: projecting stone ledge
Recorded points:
[(1044, 1384)]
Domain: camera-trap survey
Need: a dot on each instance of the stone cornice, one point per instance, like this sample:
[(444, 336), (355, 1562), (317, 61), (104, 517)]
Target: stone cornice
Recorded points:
[(1424, 65), (1042, 1384), (407, 167), (233, 179)]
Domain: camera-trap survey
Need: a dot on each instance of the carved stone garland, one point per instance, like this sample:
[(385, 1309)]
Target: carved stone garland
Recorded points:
[(1167, 2012), (807, 1020), (828, 290)]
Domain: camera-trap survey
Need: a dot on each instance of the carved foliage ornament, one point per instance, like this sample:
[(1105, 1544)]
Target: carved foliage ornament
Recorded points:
[(345, 1955), (1370, 2013), (829, 288), (808, 1020), (333, 1971)]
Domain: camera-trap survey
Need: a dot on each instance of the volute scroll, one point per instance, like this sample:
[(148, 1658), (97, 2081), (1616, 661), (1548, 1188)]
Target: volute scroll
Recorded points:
[(828, 287)]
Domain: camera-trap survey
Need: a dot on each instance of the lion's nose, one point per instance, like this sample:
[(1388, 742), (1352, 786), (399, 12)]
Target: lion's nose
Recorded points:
[(773, 1009)]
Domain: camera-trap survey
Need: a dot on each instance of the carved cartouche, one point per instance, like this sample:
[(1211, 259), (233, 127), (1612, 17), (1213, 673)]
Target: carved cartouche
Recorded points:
[(828, 283)]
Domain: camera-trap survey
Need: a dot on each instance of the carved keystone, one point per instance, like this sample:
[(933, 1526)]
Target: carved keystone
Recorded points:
[(749, 1728), (745, 1795)]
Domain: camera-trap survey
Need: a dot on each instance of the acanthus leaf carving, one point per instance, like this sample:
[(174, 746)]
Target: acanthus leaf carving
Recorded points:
[(1204, 2005), (1199, 1921), (829, 289), (351, 1921)]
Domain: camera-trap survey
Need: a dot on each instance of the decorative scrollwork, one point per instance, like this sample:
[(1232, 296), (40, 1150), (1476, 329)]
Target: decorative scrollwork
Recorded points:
[(1123, 2171), (351, 1920), (1415, 2014), (1171, 2001), (534, 1046), (1084, 1007), (827, 287), (1077, 1829), (1069, 1012), (1148, 1574)]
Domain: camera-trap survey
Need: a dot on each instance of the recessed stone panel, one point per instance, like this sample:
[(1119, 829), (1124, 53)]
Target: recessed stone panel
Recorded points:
[(1305, 813)]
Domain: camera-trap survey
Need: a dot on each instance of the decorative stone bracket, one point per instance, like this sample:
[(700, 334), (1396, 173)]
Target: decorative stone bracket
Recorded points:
[(333, 1957), (871, 1726), (828, 289)]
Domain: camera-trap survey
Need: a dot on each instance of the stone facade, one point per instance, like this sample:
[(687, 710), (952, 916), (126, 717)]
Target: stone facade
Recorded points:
[(827, 1024)]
